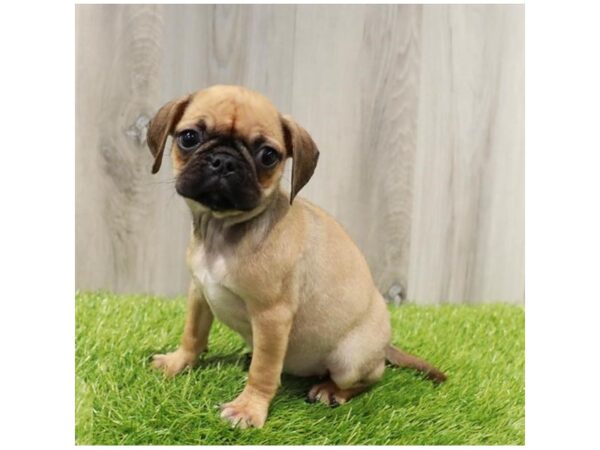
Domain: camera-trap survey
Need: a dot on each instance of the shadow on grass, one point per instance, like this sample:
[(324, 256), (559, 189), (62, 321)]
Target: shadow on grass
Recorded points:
[(292, 387), (204, 362), (242, 361), (296, 388)]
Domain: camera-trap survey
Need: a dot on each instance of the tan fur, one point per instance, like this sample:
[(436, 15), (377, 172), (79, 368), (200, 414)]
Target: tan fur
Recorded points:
[(286, 277)]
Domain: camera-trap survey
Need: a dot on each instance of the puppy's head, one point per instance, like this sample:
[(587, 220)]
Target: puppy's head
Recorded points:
[(229, 149)]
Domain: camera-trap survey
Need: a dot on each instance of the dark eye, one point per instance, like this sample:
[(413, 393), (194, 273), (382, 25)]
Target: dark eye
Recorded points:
[(188, 139), (268, 157)]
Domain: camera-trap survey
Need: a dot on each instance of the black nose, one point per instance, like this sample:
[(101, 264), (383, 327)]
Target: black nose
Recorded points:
[(222, 164)]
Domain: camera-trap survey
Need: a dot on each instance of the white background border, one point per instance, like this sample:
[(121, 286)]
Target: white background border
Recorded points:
[(562, 223)]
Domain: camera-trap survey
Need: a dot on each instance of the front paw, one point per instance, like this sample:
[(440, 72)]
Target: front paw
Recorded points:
[(245, 411), (175, 362)]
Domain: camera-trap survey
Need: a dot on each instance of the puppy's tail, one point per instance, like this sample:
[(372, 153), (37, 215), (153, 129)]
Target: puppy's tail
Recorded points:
[(402, 359)]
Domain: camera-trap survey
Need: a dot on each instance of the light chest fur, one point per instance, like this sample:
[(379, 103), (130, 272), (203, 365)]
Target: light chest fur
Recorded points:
[(211, 274)]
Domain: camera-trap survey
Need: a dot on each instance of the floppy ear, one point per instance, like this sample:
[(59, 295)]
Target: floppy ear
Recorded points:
[(162, 125), (304, 153)]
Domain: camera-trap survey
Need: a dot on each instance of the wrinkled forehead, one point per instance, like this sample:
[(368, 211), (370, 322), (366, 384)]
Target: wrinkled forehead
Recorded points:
[(233, 111)]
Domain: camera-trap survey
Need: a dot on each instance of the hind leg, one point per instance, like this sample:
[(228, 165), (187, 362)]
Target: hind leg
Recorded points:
[(342, 386), (358, 360), (331, 395)]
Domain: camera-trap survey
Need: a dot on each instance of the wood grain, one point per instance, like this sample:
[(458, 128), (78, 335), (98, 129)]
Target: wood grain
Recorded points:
[(383, 161), (118, 57), (468, 209), (417, 110)]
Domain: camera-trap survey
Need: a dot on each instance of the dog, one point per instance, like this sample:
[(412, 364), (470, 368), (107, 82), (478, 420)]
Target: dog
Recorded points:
[(273, 267)]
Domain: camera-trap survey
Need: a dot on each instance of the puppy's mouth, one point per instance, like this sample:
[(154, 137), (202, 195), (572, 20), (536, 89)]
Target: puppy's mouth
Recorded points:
[(216, 201), (220, 181)]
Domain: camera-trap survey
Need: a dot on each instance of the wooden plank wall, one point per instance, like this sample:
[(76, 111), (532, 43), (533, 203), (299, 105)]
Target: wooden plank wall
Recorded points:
[(418, 112)]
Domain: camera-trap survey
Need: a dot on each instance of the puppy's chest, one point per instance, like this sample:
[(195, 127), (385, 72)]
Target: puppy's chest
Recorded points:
[(213, 275)]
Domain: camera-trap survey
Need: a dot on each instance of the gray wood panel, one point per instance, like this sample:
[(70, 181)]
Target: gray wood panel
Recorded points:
[(120, 208), (467, 236), (417, 110)]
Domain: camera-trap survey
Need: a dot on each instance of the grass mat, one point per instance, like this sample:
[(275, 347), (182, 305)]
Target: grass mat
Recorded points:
[(121, 400)]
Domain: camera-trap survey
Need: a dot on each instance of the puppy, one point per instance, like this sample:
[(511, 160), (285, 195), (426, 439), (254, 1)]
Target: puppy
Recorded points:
[(273, 267)]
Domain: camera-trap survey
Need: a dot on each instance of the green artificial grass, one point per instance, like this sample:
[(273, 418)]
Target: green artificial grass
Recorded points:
[(121, 400)]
